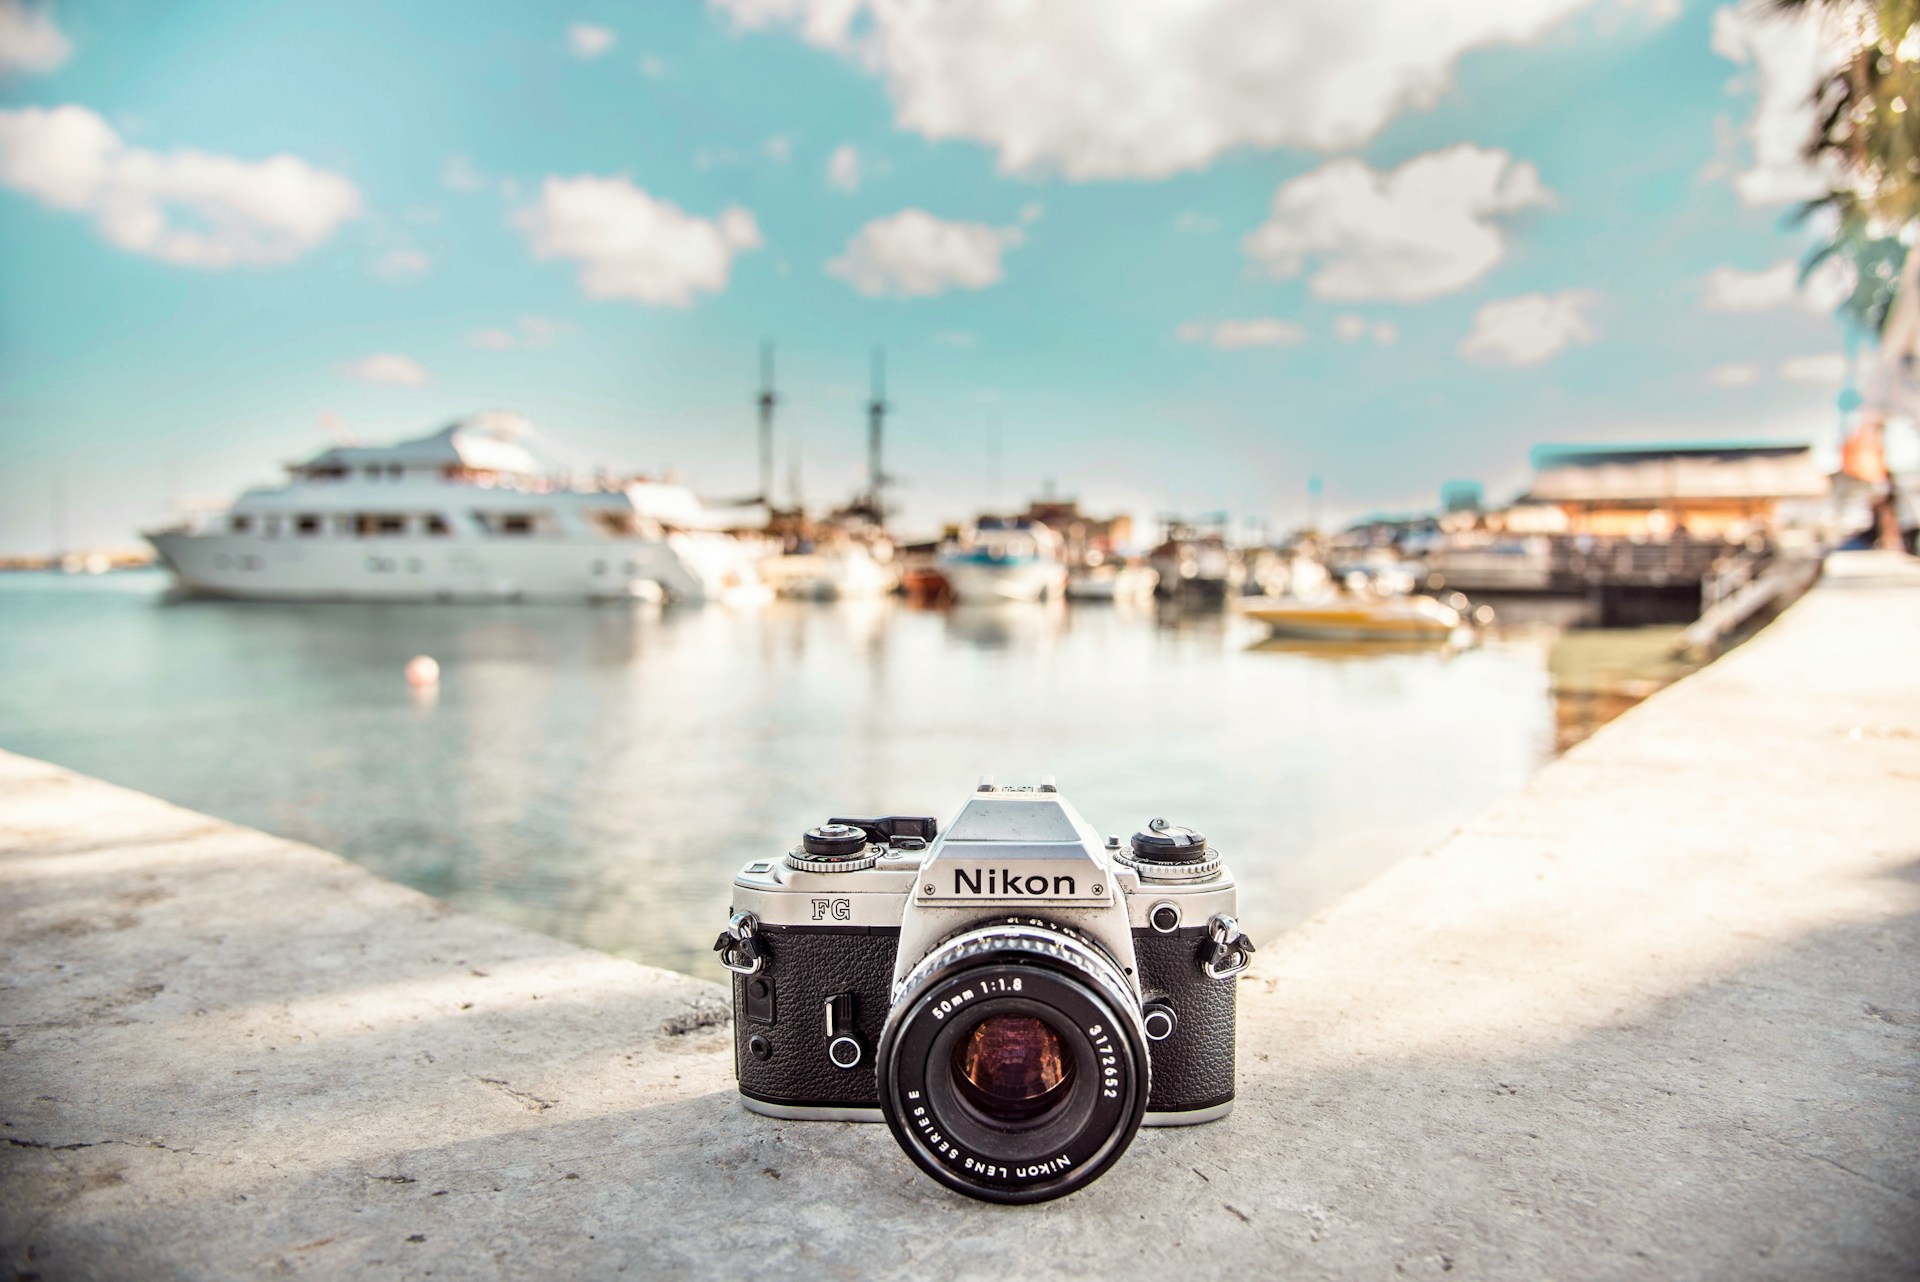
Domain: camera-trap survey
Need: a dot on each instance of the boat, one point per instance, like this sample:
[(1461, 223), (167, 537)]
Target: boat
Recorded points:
[(1399, 618), (465, 513), (1004, 560), (1111, 582), (1197, 566), (847, 571)]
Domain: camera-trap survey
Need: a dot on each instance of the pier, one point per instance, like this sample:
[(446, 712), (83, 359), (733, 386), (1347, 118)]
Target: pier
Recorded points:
[(1656, 1015)]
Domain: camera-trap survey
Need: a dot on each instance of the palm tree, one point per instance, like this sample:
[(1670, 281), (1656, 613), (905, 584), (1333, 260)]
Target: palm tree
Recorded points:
[(1866, 140)]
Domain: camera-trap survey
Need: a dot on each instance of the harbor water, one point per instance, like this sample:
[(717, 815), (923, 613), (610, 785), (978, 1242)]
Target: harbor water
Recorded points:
[(598, 773)]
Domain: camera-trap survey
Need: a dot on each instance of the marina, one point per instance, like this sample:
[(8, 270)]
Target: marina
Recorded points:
[(1593, 1031)]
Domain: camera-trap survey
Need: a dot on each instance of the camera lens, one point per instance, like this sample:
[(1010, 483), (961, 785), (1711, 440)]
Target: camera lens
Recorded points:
[(1013, 1069), (1013, 1066)]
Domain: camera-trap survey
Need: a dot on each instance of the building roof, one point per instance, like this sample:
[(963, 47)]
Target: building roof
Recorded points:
[(1675, 473)]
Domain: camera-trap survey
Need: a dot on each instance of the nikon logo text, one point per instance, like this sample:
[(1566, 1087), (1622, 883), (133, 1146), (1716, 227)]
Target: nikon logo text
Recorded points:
[(1002, 881)]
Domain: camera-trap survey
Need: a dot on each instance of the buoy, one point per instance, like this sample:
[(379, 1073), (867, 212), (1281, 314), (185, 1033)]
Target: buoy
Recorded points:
[(422, 672)]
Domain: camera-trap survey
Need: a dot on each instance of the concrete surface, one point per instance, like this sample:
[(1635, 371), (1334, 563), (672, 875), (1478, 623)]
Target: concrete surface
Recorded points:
[(1655, 1017)]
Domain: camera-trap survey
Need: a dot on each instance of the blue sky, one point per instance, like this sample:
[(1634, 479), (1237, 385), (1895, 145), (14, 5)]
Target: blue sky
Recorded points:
[(1166, 263)]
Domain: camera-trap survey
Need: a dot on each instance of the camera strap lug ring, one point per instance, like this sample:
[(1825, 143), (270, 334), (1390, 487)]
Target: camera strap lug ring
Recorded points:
[(740, 940), (1231, 951)]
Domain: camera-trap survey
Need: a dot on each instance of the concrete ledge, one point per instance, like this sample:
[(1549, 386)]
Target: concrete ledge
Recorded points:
[(1657, 1016)]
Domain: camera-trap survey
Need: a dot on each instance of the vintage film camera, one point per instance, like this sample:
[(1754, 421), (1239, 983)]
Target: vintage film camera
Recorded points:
[(1015, 997)]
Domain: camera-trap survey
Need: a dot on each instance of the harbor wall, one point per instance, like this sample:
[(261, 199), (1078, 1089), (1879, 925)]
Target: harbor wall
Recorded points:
[(1657, 1015)]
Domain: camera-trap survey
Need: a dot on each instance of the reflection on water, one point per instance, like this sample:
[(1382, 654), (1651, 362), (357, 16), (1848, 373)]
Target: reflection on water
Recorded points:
[(598, 773)]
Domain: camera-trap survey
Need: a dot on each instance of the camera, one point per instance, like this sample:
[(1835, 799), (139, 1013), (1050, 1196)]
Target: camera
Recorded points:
[(1015, 996)]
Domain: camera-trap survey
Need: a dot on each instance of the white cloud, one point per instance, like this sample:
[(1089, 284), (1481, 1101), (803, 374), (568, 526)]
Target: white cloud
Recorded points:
[(1351, 329), (458, 174), (1234, 335), (387, 369), (588, 41), (1193, 222), (653, 67), (236, 212), (1828, 367), (1741, 374), (1788, 56), (1728, 289), (843, 167), (912, 254), (1143, 88), (533, 332), (1425, 229), (403, 264), (779, 149), (1529, 329), (631, 245), (28, 39)]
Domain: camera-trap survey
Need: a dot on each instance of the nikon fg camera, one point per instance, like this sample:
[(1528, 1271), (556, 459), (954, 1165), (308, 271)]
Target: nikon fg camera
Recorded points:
[(1015, 996)]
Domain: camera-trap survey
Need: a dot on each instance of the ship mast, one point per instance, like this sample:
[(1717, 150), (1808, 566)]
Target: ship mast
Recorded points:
[(876, 427), (768, 399)]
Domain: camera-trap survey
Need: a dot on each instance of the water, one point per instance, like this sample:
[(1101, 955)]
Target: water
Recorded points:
[(599, 773)]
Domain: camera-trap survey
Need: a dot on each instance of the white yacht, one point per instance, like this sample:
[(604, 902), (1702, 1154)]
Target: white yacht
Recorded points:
[(998, 560), (467, 513)]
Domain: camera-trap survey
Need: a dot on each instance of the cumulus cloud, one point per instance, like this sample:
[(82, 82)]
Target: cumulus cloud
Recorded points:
[(1529, 329), (588, 41), (387, 369), (29, 40), (186, 207), (403, 264), (1351, 329), (912, 254), (1785, 57), (1728, 289), (1828, 367), (532, 331), (629, 244), (1740, 374), (1099, 89), (1234, 335), (843, 167), (1424, 229)]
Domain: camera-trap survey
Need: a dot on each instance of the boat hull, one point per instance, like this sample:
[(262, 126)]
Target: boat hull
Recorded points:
[(981, 581), (1355, 623), (678, 568)]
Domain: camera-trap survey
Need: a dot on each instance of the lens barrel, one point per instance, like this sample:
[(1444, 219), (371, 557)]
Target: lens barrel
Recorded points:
[(1013, 1066)]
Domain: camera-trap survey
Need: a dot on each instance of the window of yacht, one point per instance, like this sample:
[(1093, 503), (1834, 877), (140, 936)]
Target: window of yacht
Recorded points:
[(437, 525), (619, 524), (393, 471), (380, 524), (241, 524), (516, 523), (306, 525)]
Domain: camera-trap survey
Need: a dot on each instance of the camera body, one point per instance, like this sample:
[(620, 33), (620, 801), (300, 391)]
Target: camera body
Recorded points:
[(1014, 996)]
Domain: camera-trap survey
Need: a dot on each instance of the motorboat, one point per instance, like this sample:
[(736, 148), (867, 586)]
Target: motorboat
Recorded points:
[(1112, 582), (465, 513), (996, 560), (1351, 618)]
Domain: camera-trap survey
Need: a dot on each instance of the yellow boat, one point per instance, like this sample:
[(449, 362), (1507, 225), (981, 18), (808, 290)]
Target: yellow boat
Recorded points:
[(1400, 618)]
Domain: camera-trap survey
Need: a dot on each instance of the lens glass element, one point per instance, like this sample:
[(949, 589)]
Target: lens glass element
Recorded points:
[(1013, 1069)]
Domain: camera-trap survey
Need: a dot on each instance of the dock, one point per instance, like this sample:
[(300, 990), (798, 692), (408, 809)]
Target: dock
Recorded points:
[(1657, 1015)]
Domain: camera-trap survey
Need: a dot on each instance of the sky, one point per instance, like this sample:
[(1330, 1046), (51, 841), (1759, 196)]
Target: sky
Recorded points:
[(1164, 258)]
